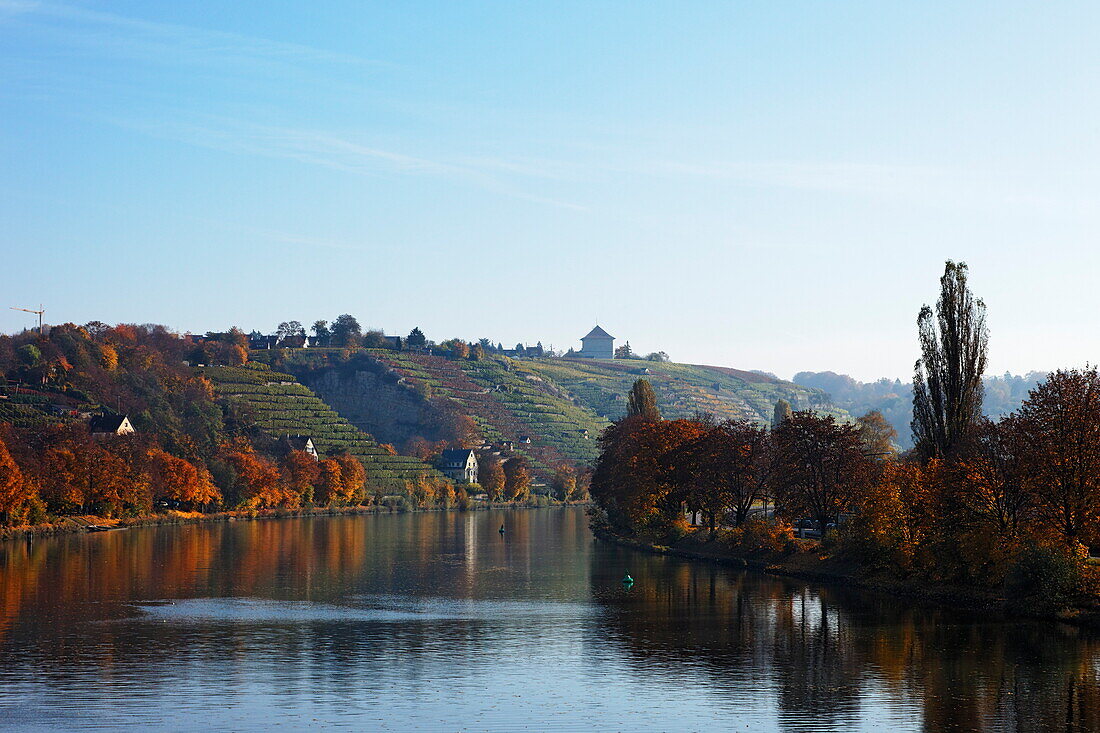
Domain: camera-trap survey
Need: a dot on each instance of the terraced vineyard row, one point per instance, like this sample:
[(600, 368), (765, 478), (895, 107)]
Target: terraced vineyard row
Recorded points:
[(681, 389), (282, 406), (507, 405)]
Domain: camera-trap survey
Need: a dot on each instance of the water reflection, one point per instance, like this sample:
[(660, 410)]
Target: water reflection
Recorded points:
[(438, 622)]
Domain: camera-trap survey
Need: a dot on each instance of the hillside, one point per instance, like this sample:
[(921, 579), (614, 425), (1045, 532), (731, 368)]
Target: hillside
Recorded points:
[(682, 389), (407, 398), (279, 405), (562, 405)]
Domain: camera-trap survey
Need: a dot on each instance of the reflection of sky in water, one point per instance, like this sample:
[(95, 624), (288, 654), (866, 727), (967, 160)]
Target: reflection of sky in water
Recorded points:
[(372, 608), (435, 622)]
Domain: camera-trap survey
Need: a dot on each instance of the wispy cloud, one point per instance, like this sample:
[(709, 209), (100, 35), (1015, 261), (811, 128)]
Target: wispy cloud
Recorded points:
[(163, 42), (328, 150)]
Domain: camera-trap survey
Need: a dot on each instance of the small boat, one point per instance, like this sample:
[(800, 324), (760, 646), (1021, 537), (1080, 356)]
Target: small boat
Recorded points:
[(97, 528), (501, 529)]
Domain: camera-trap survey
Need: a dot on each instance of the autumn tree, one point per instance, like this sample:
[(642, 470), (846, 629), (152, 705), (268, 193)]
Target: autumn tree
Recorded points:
[(260, 483), (820, 466), (517, 479), (490, 474), (175, 479), (631, 481), (300, 472), (877, 435), (354, 479), (991, 482), (947, 380), (330, 482), (642, 402), (565, 481), (1060, 424), (16, 491), (624, 352), (726, 468)]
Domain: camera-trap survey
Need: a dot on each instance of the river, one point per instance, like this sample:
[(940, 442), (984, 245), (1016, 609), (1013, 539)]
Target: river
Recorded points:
[(436, 621)]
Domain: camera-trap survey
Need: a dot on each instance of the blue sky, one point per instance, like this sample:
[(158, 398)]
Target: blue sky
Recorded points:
[(763, 185)]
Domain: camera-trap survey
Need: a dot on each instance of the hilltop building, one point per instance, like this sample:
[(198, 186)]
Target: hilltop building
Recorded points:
[(598, 344)]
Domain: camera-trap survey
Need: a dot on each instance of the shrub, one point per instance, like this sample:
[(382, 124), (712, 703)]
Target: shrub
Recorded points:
[(1045, 578), (763, 535)]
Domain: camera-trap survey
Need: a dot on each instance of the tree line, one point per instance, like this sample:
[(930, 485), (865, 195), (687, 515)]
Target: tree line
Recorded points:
[(1012, 503)]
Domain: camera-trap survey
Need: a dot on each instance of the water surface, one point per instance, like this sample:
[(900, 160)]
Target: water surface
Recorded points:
[(437, 622)]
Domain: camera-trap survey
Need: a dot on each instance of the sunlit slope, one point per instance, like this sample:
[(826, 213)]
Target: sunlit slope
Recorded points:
[(281, 406), (682, 389), (507, 401)]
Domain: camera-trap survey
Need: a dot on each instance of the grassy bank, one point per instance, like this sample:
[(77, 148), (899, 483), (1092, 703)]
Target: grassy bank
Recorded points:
[(810, 562)]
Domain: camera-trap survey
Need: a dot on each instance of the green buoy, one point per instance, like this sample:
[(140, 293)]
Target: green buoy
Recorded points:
[(627, 580), (502, 529)]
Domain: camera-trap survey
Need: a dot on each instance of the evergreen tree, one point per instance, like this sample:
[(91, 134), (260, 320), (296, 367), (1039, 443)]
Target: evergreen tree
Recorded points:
[(642, 402), (947, 380), (416, 338)]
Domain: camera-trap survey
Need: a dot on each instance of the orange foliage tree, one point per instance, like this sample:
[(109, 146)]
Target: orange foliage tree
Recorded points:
[(175, 479), (260, 482)]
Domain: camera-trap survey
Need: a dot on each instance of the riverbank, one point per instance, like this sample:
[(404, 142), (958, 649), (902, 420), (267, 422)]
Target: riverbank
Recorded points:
[(811, 564), (82, 524)]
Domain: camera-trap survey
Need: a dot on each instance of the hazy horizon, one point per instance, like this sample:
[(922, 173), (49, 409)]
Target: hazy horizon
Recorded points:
[(753, 185)]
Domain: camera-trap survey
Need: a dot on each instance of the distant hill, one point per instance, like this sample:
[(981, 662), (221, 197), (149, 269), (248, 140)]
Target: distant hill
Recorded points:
[(894, 399)]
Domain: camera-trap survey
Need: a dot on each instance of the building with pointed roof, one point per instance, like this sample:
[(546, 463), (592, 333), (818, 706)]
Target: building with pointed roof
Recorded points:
[(598, 344)]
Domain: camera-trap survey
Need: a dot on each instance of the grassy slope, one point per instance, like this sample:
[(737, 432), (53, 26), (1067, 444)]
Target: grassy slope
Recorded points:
[(282, 406), (682, 389), (507, 404)]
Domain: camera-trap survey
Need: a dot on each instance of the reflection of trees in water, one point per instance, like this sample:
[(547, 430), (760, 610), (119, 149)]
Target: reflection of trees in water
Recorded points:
[(822, 650), (51, 588)]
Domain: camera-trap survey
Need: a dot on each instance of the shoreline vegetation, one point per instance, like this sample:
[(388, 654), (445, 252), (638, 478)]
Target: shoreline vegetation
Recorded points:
[(82, 524), (980, 513), (807, 561)]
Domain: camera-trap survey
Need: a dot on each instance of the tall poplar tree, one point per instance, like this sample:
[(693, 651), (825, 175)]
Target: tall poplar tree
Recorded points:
[(641, 402), (947, 380)]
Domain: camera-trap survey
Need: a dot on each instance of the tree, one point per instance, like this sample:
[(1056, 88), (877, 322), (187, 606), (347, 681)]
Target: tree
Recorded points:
[(321, 333), (631, 481), (877, 435), (354, 479), (176, 479), (517, 479), (820, 467), (565, 481), (1060, 426), (490, 474), (330, 482), (656, 356), (416, 339), (15, 491), (260, 482), (624, 352), (781, 413), (947, 379), (300, 472), (641, 402), (477, 353), (290, 333), (346, 331), (726, 468)]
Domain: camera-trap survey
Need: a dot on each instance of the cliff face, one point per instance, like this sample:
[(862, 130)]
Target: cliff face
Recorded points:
[(375, 403)]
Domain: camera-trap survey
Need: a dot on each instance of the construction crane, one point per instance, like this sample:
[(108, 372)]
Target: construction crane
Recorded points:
[(38, 312)]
